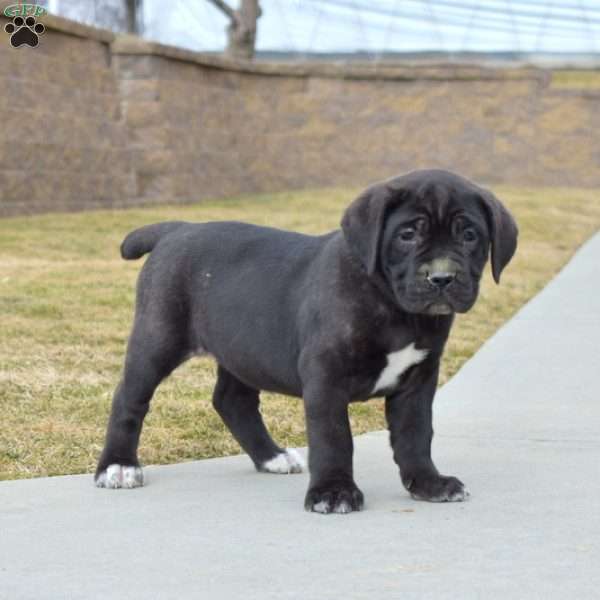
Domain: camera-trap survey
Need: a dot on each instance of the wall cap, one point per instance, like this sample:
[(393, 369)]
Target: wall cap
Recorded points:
[(132, 45)]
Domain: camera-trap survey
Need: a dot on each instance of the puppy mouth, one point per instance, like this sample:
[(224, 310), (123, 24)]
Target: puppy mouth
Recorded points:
[(439, 308), (426, 300)]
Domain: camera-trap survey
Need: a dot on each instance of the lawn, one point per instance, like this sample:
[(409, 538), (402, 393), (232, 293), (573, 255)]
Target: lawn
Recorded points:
[(66, 300)]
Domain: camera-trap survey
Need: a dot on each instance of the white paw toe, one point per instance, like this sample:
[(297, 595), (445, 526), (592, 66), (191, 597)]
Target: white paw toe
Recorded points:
[(460, 496), (295, 460), (322, 507), (289, 461), (343, 508), (120, 476)]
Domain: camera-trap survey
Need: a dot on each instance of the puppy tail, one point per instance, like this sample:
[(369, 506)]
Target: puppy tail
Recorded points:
[(142, 240)]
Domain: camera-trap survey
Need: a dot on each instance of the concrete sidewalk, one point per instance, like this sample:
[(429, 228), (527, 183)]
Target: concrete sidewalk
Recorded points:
[(520, 425)]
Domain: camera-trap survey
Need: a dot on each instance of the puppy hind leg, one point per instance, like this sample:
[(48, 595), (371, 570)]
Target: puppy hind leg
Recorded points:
[(238, 406), (153, 352)]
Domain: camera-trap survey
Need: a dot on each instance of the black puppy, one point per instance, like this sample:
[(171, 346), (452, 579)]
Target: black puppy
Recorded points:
[(346, 316)]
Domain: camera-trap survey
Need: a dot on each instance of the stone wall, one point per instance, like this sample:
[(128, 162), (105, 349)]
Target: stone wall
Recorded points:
[(90, 120), (63, 144)]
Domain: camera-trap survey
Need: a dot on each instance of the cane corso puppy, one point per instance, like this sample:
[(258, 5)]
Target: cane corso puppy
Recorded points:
[(335, 318)]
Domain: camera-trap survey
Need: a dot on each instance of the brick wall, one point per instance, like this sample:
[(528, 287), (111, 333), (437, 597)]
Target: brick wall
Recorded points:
[(63, 143), (90, 120)]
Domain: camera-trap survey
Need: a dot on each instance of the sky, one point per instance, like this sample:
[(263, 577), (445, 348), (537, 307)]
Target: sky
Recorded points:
[(378, 26)]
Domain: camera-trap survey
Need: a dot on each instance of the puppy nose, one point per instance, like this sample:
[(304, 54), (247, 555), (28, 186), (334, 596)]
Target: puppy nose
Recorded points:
[(440, 279)]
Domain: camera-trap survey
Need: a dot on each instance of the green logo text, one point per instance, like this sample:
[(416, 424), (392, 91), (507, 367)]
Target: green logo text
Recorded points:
[(24, 10)]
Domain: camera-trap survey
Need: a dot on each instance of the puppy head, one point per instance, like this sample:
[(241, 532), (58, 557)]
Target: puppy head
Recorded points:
[(428, 235)]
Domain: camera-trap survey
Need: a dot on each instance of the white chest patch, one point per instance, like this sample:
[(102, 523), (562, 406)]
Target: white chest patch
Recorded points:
[(397, 363)]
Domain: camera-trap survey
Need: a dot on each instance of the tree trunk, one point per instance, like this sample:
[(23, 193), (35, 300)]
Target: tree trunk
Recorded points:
[(132, 21), (241, 32)]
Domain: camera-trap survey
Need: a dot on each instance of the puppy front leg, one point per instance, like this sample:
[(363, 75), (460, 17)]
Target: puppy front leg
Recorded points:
[(330, 447), (409, 417)]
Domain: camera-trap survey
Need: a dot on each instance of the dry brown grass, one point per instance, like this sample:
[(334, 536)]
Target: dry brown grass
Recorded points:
[(66, 304)]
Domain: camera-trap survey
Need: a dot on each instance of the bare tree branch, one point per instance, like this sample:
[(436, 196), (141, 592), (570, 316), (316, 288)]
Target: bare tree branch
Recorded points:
[(224, 7)]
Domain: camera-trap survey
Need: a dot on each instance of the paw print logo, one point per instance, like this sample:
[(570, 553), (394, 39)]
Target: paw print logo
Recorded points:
[(24, 31)]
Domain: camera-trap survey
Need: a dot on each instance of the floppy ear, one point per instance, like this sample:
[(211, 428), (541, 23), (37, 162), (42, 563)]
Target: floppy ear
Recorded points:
[(362, 224), (503, 230)]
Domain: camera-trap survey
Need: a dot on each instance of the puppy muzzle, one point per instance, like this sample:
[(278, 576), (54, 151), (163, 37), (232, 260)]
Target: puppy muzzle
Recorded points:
[(440, 287)]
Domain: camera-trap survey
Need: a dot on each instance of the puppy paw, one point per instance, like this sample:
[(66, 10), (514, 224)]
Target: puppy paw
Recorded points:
[(437, 488), (338, 498), (289, 461), (120, 476)]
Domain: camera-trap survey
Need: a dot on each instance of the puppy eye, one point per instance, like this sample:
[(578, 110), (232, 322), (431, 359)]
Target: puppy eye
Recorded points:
[(408, 234), (469, 234)]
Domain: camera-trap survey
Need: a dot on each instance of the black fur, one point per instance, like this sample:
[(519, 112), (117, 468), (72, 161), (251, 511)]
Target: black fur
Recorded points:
[(316, 317)]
